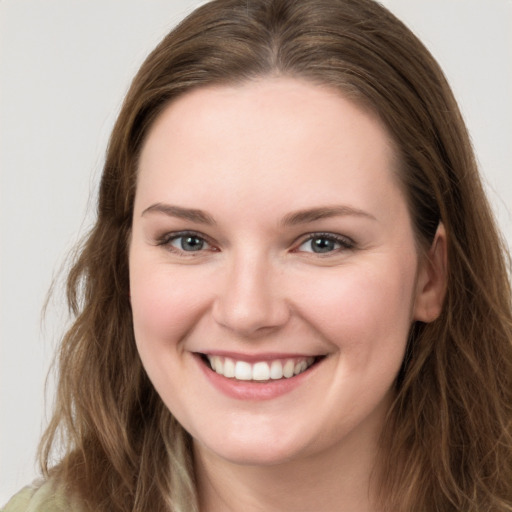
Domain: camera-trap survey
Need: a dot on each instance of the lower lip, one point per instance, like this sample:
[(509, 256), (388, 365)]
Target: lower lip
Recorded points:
[(251, 390)]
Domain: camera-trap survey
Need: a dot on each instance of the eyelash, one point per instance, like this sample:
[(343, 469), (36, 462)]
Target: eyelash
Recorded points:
[(166, 240)]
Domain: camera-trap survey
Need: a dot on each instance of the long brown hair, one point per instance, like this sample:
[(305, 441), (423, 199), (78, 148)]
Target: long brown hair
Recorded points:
[(447, 443)]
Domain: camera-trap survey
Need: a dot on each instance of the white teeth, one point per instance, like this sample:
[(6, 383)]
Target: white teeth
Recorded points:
[(276, 370), (300, 367), (243, 370), (216, 362), (261, 370), (229, 368), (288, 369)]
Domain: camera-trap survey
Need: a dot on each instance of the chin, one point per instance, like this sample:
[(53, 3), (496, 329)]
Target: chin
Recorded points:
[(252, 452)]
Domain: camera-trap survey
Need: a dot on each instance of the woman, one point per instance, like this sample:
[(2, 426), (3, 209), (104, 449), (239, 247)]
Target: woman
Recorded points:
[(294, 296)]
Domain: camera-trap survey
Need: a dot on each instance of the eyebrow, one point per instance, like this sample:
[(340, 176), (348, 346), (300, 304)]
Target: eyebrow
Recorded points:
[(313, 214), (191, 214), (291, 219)]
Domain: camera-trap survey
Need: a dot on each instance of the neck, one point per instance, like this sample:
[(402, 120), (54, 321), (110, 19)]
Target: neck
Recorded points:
[(337, 479)]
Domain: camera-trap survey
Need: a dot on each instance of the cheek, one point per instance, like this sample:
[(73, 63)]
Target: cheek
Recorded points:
[(363, 310), (165, 305)]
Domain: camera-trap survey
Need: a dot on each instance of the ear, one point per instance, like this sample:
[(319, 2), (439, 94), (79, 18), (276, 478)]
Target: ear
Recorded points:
[(432, 279)]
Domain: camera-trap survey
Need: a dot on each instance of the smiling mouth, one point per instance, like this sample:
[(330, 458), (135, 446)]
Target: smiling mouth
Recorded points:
[(259, 371)]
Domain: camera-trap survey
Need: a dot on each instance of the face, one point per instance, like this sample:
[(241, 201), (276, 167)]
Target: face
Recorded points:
[(273, 269)]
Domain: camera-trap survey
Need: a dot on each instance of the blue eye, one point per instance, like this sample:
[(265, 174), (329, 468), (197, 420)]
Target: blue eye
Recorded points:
[(322, 244), (188, 243), (185, 242)]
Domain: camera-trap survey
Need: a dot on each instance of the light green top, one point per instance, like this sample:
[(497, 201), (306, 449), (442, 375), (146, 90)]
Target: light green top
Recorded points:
[(42, 496)]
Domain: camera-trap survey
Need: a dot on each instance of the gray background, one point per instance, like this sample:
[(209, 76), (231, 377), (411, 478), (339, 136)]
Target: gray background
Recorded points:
[(64, 68)]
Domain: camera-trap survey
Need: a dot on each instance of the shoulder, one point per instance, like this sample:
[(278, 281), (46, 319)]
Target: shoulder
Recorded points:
[(42, 496)]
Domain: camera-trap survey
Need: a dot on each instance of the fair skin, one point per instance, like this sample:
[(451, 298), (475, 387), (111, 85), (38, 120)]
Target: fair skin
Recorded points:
[(269, 233)]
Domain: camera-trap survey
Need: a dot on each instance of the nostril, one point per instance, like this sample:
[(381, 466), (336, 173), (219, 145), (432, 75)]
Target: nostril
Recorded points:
[(251, 301)]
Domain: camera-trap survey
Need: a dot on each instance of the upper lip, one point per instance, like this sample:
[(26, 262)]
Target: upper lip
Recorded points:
[(263, 356)]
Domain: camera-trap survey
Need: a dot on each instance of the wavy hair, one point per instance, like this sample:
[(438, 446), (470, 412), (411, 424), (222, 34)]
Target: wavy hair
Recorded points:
[(447, 442)]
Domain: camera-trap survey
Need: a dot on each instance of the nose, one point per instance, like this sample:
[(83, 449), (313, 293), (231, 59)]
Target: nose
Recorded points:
[(251, 302)]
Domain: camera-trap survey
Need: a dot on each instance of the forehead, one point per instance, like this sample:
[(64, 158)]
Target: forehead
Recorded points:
[(251, 105), (244, 140)]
